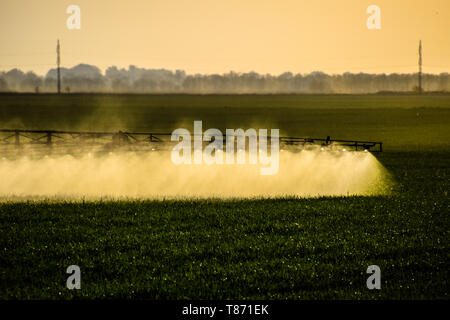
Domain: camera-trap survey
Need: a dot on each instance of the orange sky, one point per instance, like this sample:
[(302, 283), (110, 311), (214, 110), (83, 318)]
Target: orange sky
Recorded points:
[(211, 36)]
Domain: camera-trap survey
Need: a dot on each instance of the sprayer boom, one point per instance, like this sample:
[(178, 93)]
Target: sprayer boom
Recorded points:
[(155, 140)]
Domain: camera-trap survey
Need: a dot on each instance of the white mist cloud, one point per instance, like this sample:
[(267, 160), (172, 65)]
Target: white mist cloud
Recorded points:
[(154, 175)]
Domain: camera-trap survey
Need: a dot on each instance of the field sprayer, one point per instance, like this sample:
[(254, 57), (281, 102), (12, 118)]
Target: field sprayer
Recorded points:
[(61, 142)]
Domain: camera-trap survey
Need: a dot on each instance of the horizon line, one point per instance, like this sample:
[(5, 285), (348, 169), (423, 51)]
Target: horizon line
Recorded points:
[(103, 71)]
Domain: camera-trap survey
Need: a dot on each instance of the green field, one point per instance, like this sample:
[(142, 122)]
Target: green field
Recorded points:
[(401, 122), (241, 249)]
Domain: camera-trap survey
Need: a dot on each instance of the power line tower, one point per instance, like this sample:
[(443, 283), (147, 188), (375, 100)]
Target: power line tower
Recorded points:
[(420, 66), (58, 62)]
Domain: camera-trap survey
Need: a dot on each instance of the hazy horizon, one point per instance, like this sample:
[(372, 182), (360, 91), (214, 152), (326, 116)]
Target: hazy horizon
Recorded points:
[(44, 72), (103, 70), (90, 78)]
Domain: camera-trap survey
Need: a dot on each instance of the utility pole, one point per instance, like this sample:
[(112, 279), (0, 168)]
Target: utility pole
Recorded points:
[(58, 62), (420, 66)]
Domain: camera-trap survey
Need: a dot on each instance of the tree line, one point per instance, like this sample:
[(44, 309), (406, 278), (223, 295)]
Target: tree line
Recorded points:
[(88, 78)]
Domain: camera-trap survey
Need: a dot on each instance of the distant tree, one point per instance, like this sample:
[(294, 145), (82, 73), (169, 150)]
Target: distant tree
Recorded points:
[(88, 78), (3, 85)]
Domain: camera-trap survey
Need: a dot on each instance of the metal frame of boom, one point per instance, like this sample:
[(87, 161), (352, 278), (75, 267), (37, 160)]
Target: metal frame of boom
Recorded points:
[(50, 137)]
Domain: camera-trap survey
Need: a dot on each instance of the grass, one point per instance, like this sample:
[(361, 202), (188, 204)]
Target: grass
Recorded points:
[(402, 122), (248, 249)]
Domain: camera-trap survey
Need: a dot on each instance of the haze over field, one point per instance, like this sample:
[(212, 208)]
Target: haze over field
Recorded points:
[(153, 175)]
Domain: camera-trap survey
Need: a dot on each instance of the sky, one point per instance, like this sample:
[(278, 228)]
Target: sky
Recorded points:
[(211, 36)]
